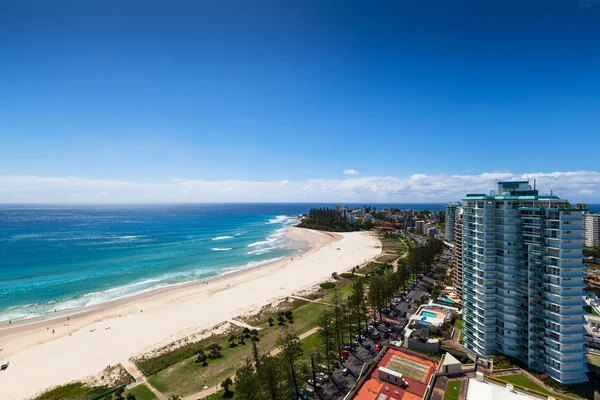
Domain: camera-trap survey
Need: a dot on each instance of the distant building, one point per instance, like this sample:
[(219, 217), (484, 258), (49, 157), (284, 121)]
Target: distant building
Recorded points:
[(457, 260), (591, 229), (363, 211), (431, 232), (368, 217), (451, 209), (351, 218), (421, 227)]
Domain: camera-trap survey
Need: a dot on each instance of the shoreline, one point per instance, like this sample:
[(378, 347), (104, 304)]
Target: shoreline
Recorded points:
[(57, 320), (298, 245), (115, 331)]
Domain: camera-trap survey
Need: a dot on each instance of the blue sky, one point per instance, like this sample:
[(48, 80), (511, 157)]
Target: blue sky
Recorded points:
[(147, 91)]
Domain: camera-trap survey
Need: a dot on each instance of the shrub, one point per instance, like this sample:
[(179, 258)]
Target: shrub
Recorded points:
[(347, 275), (327, 285)]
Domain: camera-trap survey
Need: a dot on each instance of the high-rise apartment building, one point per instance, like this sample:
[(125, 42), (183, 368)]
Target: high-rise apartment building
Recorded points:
[(457, 268), (591, 229), (450, 219), (523, 280)]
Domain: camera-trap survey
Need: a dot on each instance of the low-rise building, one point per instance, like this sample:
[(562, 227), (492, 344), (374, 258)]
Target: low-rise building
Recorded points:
[(399, 374), (419, 339), (483, 388)]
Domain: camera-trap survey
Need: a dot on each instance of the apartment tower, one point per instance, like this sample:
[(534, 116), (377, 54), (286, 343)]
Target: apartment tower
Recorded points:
[(450, 219), (591, 229), (457, 268), (523, 280)]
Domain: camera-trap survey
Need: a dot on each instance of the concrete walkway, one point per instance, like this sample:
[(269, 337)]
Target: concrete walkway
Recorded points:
[(242, 324), (310, 301), (212, 390), (140, 379)]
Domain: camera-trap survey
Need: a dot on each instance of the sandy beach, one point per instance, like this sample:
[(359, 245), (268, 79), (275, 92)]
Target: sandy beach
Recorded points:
[(51, 352)]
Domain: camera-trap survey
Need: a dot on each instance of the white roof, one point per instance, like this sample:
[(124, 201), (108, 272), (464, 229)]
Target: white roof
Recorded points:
[(483, 390)]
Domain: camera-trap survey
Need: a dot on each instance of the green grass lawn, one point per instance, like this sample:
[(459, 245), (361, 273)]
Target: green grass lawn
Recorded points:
[(452, 390), (188, 377), (142, 392), (219, 396), (458, 323), (310, 344), (75, 391), (522, 381), (594, 360), (344, 292)]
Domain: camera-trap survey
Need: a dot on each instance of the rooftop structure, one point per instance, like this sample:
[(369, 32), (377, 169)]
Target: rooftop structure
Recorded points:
[(479, 389), (523, 280), (399, 375)]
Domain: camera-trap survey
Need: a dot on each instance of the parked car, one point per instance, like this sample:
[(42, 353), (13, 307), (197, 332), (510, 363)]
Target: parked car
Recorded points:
[(345, 371), (386, 335)]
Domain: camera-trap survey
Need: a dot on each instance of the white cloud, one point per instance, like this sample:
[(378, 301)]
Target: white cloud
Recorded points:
[(575, 186), (351, 172)]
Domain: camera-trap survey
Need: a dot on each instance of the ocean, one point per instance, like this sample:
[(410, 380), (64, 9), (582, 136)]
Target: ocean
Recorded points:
[(65, 258)]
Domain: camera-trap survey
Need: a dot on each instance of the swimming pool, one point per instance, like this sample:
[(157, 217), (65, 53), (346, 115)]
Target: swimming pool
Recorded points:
[(428, 314), (446, 300)]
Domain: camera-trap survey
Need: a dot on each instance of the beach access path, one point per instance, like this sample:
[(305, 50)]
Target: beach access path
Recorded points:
[(111, 334)]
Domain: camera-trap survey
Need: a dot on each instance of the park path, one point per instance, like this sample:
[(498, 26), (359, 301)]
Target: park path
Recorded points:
[(140, 379), (309, 300), (242, 324), (212, 390), (395, 263)]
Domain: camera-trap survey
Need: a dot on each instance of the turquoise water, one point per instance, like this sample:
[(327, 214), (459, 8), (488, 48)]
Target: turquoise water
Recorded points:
[(65, 258), (446, 300), (428, 314)]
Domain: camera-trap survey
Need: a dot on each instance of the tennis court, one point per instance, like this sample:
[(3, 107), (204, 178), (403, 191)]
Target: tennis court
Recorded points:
[(410, 368)]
